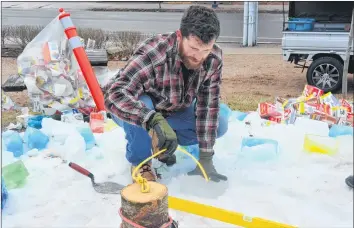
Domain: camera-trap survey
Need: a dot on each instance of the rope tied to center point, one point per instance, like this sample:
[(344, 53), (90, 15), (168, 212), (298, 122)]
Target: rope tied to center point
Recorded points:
[(144, 185)]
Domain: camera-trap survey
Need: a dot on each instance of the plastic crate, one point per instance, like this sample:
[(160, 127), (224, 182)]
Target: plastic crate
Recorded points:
[(301, 24)]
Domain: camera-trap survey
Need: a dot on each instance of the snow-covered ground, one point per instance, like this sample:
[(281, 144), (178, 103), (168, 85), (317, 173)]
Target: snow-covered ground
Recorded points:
[(297, 188)]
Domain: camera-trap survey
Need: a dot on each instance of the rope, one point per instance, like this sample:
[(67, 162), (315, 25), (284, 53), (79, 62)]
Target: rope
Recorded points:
[(143, 182), (130, 222)]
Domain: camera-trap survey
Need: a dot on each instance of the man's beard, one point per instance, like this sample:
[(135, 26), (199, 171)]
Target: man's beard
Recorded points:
[(187, 60)]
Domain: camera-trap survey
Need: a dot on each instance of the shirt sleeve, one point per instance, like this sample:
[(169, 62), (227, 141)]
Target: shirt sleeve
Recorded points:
[(207, 111), (122, 95)]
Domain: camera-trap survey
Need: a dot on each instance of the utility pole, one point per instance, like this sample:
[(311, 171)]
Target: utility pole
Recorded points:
[(251, 23), (350, 47), (255, 34), (245, 23)]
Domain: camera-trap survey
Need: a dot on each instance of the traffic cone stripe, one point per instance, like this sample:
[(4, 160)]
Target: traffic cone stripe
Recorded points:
[(75, 42), (66, 22)]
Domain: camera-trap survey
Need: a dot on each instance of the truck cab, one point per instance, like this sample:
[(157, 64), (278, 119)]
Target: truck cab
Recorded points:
[(315, 36)]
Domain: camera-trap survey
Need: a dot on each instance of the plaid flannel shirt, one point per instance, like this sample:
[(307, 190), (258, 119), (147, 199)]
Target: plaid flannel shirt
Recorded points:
[(155, 69)]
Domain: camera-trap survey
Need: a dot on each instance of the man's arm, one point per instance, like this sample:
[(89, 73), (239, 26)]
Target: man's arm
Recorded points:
[(207, 111), (121, 97)]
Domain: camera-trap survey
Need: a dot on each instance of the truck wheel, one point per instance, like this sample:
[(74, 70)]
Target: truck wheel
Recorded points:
[(325, 73)]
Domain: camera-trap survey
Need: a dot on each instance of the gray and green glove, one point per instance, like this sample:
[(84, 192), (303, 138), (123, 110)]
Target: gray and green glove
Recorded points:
[(206, 160), (163, 137)]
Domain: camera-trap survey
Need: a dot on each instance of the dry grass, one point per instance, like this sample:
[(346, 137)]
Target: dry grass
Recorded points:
[(8, 117)]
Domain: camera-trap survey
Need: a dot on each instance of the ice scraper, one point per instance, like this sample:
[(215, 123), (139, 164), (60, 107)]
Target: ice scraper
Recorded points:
[(104, 188)]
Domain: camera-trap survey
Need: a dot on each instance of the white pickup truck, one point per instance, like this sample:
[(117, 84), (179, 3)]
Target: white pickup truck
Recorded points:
[(317, 33)]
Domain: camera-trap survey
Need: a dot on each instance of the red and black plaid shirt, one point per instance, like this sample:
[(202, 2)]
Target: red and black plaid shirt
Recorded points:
[(155, 69)]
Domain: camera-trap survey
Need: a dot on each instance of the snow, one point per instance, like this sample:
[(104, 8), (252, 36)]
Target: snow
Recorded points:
[(295, 187)]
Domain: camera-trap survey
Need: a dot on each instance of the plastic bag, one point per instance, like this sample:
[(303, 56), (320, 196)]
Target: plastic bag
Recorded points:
[(7, 103), (51, 72), (13, 142), (72, 116), (36, 121)]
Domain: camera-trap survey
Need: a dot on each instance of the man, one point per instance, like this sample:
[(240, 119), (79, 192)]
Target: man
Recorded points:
[(170, 88)]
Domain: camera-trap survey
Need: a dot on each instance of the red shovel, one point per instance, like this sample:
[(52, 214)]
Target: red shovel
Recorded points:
[(104, 188)]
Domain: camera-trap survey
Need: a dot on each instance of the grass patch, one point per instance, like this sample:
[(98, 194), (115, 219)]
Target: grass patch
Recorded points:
[(8, 117), (246, 103)]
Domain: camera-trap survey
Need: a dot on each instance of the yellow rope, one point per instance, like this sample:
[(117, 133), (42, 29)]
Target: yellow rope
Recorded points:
[(143, 182)]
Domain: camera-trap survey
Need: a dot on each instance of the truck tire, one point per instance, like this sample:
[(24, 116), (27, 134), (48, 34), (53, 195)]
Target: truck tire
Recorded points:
[(325, 73)]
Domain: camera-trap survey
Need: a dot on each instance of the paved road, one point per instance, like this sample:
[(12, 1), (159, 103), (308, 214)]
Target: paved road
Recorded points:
[(270, 25)]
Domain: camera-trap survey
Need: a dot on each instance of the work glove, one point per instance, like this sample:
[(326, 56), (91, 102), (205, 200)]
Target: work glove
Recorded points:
[(206, 160), (163, 137)]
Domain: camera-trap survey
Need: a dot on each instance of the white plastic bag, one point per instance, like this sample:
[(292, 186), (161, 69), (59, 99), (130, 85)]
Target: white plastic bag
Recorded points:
[(51, 72)]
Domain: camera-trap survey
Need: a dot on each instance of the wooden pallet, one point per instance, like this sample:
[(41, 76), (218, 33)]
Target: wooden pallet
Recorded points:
[(15, 83)]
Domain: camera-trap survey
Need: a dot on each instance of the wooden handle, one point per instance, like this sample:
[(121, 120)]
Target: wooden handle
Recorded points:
[(81, 170)]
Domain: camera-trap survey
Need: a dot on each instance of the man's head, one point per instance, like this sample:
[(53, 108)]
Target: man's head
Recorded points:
[(200, 27)]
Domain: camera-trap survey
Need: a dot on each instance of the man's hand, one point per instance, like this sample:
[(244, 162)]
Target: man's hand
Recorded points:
[(206, 160), (163, 137)]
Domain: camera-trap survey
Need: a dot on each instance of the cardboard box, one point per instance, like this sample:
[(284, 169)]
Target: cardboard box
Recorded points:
[(276, 119), (346, 104), (311, 91), (323, 117), (266, 110)]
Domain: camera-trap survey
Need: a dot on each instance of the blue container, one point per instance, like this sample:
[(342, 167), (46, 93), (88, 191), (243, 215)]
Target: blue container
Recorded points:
[(13, 142), (301, 24), (338, 130), (4, 193), (258, 149)]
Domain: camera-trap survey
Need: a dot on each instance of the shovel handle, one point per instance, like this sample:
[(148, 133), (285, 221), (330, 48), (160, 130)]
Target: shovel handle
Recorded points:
[(81, 170)]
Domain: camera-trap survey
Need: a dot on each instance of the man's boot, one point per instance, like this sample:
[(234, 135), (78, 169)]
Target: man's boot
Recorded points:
[(146, 171)]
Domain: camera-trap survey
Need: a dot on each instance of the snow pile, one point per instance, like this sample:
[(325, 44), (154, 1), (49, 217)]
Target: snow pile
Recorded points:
[(287, 185)]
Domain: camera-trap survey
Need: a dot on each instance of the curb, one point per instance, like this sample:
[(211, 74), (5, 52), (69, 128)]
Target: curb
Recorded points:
[(15, 52), (178, 10)]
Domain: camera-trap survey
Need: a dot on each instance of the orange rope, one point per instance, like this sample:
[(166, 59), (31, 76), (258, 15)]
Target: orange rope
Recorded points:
[(166, 225)]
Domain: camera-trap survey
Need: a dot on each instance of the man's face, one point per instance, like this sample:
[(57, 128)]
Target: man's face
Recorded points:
[(193, 51)]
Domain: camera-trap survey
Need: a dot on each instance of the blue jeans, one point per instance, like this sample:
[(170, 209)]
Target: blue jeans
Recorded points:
[(182, 122)]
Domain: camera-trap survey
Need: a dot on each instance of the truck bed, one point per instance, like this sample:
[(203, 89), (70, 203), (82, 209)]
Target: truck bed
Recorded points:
[(315, 42)]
